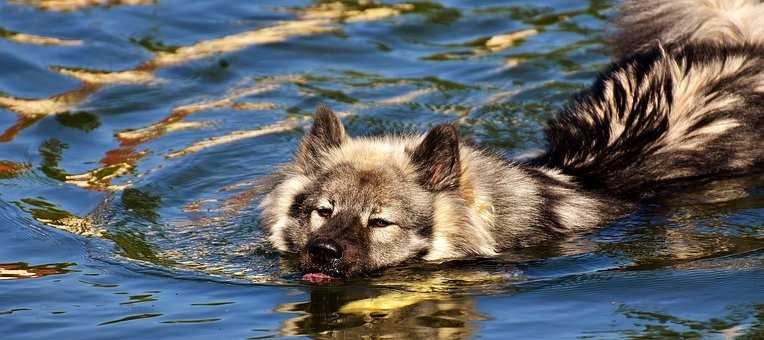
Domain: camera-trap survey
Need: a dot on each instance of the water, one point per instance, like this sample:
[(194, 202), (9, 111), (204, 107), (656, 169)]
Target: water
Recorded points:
[(134, 132)]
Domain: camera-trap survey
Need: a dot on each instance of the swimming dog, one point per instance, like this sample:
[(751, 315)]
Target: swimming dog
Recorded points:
[(684, 100)]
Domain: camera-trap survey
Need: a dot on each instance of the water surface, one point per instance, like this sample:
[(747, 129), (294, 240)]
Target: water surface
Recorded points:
[(132, 134)]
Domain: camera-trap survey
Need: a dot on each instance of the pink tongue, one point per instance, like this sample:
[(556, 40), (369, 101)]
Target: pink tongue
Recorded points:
[(318, 277)]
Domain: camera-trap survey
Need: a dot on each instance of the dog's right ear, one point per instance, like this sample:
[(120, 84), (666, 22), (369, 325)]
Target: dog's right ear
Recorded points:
[(327, 132), (437, 159)]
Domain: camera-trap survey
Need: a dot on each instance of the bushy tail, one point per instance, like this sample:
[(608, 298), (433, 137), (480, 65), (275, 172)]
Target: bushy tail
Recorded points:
[(644, 23)]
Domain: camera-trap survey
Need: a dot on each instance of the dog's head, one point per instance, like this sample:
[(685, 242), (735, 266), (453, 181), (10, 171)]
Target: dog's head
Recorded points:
[(352, 205)]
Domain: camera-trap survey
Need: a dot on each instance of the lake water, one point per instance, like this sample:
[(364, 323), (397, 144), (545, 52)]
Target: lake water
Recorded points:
[(132, 133)]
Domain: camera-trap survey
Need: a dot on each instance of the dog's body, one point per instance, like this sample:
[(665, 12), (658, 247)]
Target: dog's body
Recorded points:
[(688, 104)]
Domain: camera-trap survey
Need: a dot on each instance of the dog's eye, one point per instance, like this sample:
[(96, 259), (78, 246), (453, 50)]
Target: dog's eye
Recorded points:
[(324, 212), (379, 223)]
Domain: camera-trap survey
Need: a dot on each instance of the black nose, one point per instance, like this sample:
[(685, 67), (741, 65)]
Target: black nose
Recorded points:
[(324, 251)]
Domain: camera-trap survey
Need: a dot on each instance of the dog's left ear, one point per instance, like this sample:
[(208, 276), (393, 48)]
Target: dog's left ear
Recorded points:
[(437, 159), (327, 132)]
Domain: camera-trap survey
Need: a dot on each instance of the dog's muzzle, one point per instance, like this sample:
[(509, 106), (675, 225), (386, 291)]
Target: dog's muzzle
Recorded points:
[(323, 256)]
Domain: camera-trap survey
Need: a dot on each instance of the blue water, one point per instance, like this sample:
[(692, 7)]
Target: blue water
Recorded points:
[(132, 134)]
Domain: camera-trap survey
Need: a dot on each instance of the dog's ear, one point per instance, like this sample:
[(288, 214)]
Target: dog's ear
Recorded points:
[(327, 132), (437, 159)]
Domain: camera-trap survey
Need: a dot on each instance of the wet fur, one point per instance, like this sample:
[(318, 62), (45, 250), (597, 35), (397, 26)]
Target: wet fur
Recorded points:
[(686, 102)]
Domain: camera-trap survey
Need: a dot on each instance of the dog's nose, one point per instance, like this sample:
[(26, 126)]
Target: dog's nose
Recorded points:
[(324, 251)]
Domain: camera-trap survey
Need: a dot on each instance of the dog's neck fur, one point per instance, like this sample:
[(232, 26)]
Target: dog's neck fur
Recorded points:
[(500, 205)]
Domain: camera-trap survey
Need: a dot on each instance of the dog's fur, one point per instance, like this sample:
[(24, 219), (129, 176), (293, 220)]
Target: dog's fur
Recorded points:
[(685, 100)]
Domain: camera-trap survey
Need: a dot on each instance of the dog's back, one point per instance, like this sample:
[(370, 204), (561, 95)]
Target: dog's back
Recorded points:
[(643, 23), (688, 102)]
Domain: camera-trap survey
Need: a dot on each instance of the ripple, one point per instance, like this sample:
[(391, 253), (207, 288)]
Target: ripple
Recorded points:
[(209, 320), (130, 318)]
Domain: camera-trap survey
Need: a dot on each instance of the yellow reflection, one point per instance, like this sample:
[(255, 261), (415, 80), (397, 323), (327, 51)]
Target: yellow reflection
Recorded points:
[(34, 107), (74, 5), (32, 110), (406, 97), (488, 45), (36, 39), (361, 11), (277, 33), (288, 124), (283, 126), (173, 121), (504, 41), (387, 302), (106, 77)]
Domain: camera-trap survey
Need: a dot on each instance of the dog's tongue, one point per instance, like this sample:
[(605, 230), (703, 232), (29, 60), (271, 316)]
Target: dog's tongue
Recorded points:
[(318, 277)]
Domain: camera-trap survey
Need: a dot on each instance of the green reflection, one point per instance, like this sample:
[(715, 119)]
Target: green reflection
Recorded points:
[(153, 45), (436, 13), (41, 209), (134, 245), (141, 203), (84, 121), (51, 151)]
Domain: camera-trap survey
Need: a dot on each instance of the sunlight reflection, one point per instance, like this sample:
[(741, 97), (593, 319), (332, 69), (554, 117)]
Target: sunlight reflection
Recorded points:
[(29, 109), (74, 5), (25, 38), (354, 12)]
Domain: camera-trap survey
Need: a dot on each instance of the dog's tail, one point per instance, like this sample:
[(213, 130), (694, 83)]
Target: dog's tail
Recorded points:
[(642, 24)]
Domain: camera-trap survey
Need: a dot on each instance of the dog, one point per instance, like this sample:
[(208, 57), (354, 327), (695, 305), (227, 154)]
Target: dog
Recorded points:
[(684, 100)]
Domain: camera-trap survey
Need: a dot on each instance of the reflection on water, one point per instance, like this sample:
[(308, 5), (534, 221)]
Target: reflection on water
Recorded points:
[(15, 271), (31, 110), (139, 132), (338, 313), (746, 322), (417, 302), (73, 5), (53, 216), (25, 38)]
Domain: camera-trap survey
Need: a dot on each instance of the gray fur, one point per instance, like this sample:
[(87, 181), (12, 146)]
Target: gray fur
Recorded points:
[(643, 24), (685, 101)]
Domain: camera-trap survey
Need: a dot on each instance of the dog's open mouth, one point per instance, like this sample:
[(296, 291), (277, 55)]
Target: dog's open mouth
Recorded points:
[(319, 277)]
